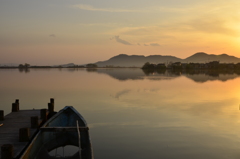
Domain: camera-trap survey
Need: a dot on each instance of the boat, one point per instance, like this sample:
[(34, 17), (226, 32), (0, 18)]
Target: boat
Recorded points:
[(67, 127)]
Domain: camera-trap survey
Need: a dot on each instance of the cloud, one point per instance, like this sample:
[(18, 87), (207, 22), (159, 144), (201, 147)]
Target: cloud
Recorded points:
[(146, 9), (91, 8), (52, 35), (154, 44), (151, 44), (118, 94), (121, 40)]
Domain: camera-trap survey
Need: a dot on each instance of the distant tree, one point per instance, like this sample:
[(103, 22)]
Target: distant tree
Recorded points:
[(147, 65), (26, 65), (91, 65), (161, 66)]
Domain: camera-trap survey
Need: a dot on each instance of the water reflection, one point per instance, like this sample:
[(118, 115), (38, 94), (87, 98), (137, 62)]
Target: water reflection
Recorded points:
[(124, 74), (195, 75), (26, 70), (140, 115)]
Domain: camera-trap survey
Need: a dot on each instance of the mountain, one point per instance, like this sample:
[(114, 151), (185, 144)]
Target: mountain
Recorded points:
[(67, 65), (124, 60), (202, 57)]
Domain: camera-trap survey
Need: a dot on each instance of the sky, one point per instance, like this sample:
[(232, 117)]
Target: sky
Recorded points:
[(50, 32)]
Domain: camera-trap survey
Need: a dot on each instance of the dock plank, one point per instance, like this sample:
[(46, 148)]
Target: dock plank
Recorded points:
[(9, 131)]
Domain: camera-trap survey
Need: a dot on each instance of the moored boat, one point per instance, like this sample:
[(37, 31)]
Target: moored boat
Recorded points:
[(65, 128)]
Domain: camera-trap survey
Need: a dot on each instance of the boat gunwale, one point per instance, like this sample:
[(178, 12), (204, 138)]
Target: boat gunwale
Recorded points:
[(60, 112)]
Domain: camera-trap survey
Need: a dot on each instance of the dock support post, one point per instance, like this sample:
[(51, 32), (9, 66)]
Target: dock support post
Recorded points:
[(44, 114), (1, 115), (24, 134), (7, 151), (52, 100), (15, 107), (34, 122), (51, 107)]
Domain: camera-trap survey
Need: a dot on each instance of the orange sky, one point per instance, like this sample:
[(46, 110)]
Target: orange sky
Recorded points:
[(60, 31)]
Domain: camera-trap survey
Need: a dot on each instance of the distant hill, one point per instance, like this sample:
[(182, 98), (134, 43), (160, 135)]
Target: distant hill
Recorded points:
[(202, 57), (66, 65), (124, 60)]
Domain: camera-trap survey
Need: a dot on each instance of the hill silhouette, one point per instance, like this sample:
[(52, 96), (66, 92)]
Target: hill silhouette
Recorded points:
[(202, 57), (124, 60)]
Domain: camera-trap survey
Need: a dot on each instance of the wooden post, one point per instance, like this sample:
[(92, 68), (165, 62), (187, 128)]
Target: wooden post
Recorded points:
[(15, 107), (51, 107), (52, 100), (7, 151), (44, 114), (24, 134), (34, 122), (1, 115), (17, 101)]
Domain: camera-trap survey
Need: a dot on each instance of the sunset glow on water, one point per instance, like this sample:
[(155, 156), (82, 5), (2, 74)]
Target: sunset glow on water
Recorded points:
[(137, 115)]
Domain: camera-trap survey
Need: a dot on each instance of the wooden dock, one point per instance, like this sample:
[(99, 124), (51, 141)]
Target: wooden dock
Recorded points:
[(18, 128), (12, 123)]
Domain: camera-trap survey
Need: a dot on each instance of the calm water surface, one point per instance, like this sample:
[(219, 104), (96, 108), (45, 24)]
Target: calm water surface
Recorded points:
[(139, 115)]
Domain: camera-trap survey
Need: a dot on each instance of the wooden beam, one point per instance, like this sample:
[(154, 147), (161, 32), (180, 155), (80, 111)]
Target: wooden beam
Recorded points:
[(7, 151), (58, 129), (1, 115)]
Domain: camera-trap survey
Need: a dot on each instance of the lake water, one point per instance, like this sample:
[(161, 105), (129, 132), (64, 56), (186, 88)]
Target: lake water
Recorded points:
[(139, 115)]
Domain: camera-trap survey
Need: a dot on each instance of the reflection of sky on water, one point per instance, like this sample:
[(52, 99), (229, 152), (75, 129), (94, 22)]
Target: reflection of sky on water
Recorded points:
[(177, 118)]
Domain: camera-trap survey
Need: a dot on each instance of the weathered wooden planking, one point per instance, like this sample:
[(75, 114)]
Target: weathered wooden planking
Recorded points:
[(9, 131)]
